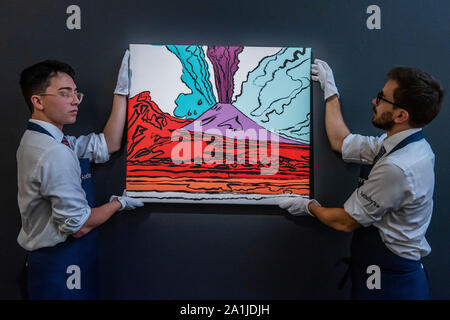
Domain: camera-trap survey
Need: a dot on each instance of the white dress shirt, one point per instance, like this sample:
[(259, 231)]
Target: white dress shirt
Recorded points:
[(397, 197), (51, 200)]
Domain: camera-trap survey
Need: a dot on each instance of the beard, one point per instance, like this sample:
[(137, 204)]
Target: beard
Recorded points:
[(384, 122)]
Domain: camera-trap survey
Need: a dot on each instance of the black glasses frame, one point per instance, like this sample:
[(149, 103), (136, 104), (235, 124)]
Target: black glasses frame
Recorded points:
[(380, 97)]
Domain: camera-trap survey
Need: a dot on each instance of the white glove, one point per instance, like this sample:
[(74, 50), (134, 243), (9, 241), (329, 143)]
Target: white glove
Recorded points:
[(123, 79), (297, 206), (321, 71), (127, 202)]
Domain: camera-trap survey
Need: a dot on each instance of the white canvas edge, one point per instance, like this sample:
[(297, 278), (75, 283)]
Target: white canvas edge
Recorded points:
[(230, 198)]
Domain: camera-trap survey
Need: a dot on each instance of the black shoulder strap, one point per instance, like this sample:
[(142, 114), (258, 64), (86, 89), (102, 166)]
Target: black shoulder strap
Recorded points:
[(35, 127), (412, 138)]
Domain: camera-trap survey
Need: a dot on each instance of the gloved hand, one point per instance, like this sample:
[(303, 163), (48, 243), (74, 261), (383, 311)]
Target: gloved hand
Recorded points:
[(320, 71), (297, 206), (127, 202), (123, 79)]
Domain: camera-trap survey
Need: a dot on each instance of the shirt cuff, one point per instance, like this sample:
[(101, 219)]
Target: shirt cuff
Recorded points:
[(354, 209), (350, 149), (103, 154), (72, 224)]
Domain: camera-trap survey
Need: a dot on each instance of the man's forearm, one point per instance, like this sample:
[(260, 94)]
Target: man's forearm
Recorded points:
[(114, 128), (337, 218), (98, 216), (334, 124)]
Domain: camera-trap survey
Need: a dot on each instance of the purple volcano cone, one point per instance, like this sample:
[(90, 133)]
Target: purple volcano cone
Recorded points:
[(227, 119)]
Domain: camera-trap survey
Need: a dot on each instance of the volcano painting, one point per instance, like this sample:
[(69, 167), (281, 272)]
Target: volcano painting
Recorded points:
[(218, 124)]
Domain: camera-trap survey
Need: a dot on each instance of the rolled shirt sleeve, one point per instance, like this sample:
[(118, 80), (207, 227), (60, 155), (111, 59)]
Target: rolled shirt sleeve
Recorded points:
[(61, 184), (385, 190), (361, 149), (93, 146)]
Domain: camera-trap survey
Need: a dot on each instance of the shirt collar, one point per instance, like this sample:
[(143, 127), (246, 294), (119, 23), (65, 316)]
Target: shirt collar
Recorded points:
[(52, 129), (395, 139)]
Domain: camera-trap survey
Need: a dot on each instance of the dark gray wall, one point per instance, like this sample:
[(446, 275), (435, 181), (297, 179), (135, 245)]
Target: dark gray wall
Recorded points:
[(168, 251)]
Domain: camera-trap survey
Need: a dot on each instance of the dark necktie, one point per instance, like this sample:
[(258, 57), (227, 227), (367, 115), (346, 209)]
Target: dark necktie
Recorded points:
[(64, 141), (379, 155)]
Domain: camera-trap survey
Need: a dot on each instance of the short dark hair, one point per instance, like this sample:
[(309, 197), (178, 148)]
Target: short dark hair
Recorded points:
[(36, 79), (418, 93)]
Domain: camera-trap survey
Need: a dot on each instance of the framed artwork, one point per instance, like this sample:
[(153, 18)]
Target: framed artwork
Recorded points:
[(218, 124)]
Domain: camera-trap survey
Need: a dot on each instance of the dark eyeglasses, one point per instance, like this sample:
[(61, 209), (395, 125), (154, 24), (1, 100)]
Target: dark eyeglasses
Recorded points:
[(380, 97)]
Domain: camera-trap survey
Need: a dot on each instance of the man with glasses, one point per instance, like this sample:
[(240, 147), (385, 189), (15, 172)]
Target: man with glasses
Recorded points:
[(391, 209), (55, 193)]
